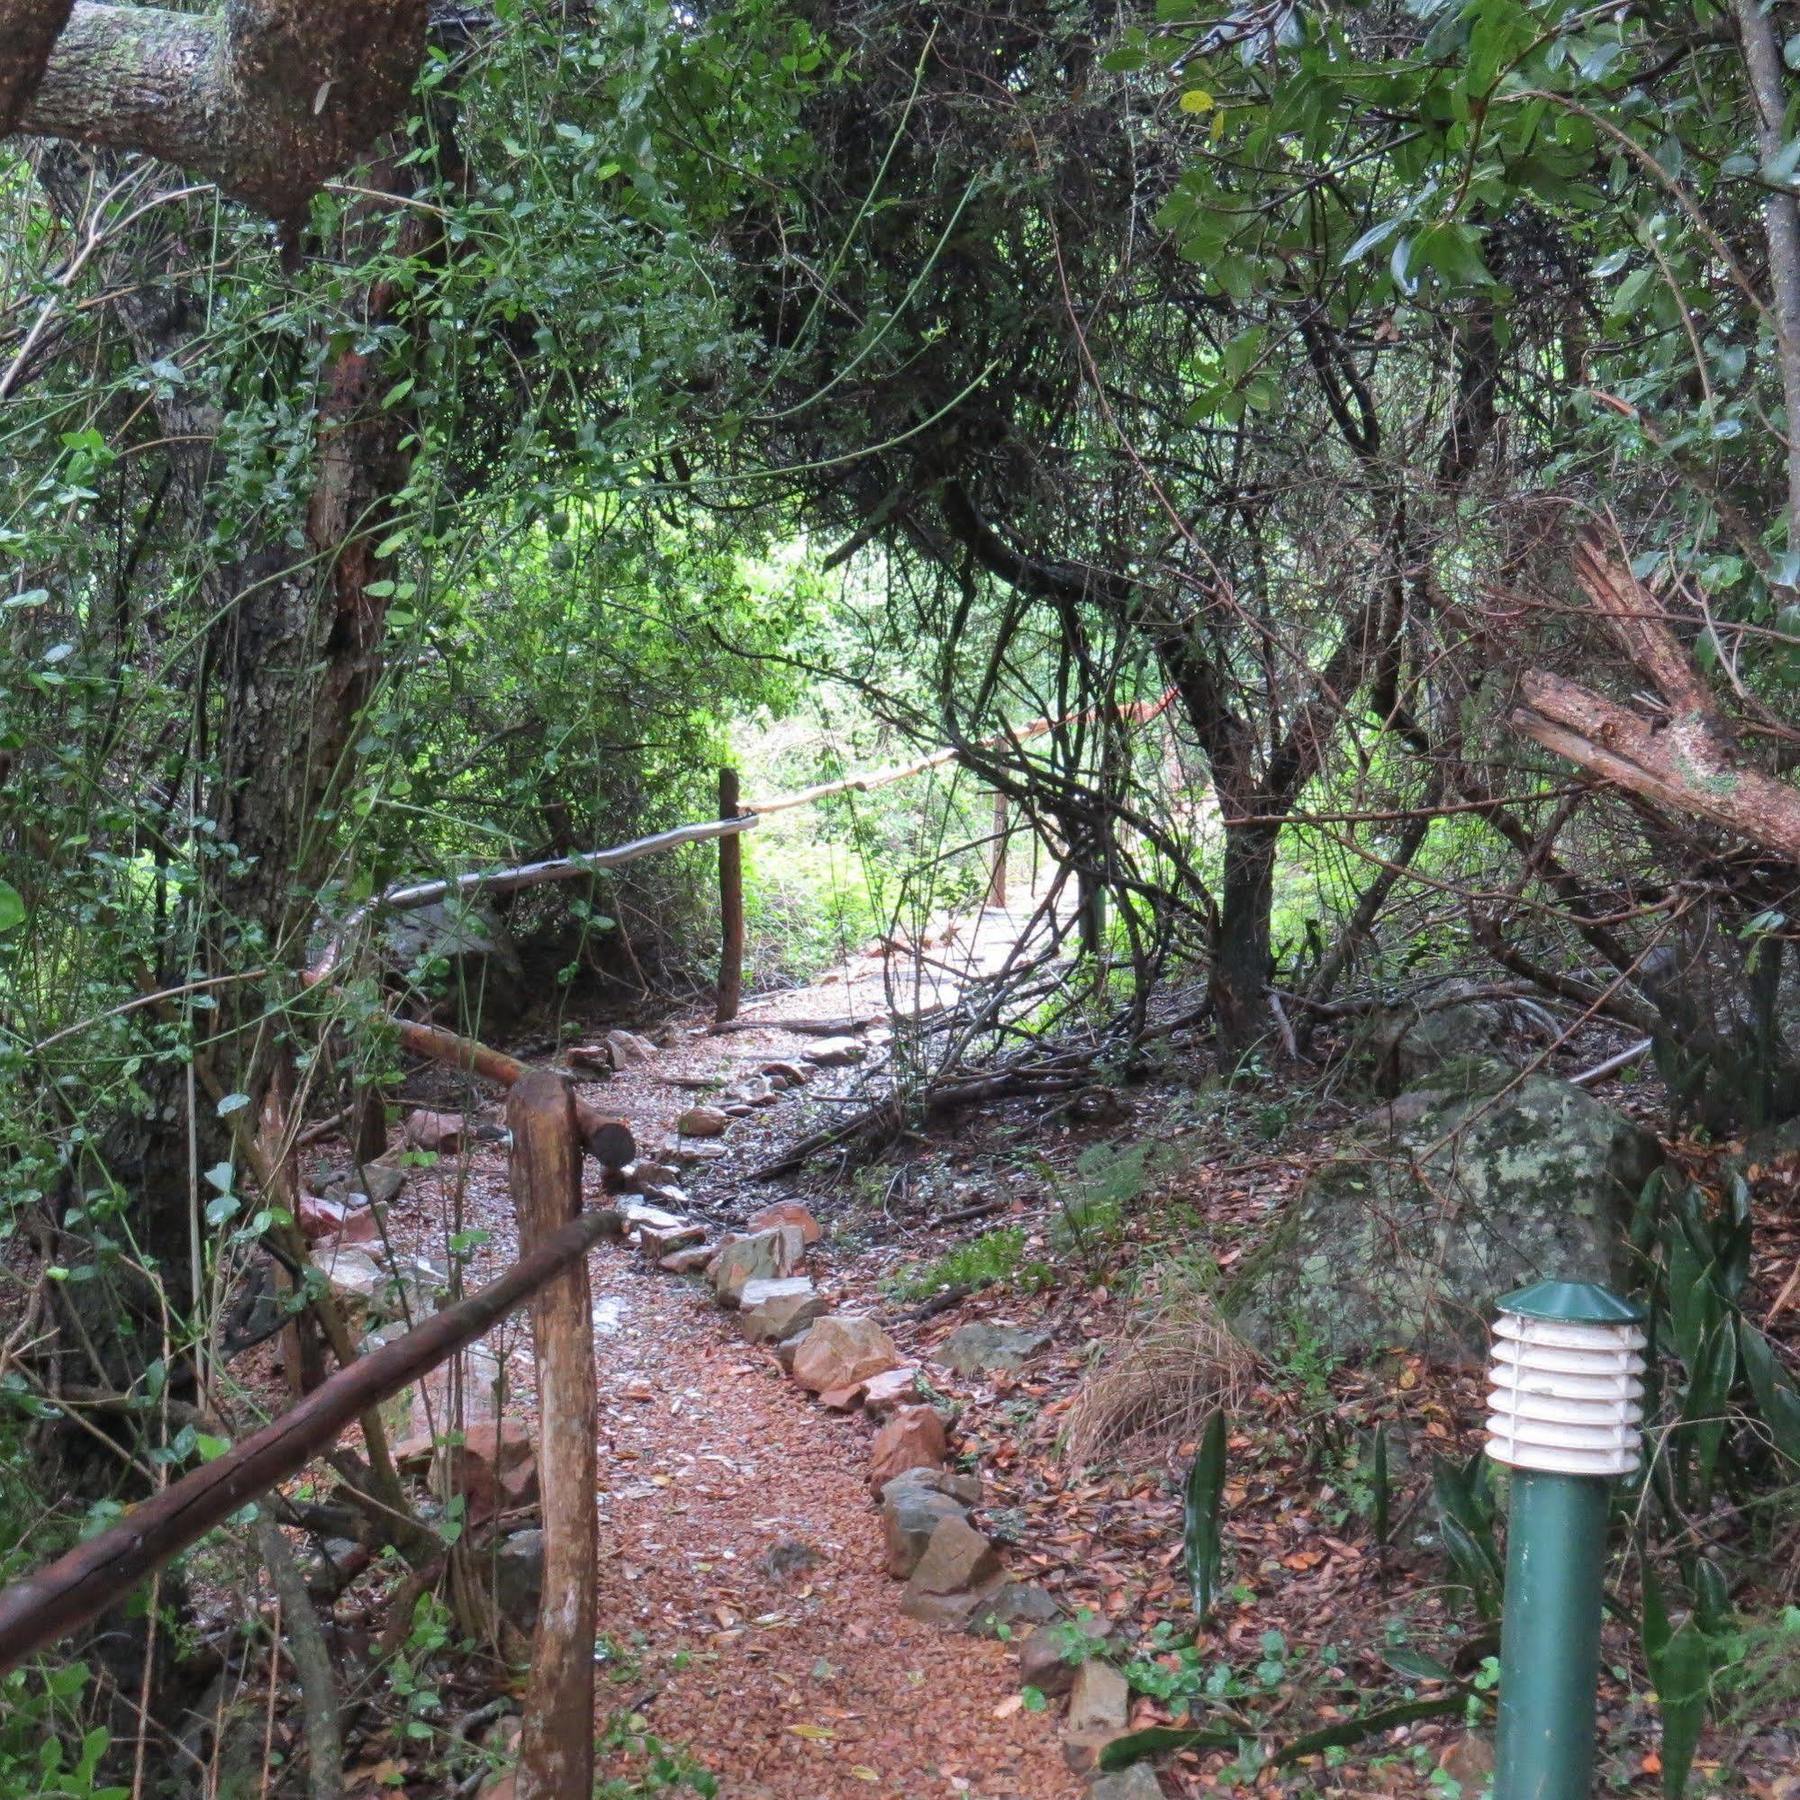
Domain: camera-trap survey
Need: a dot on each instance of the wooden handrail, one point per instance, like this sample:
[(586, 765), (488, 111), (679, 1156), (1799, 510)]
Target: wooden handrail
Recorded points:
[(78, 1586)]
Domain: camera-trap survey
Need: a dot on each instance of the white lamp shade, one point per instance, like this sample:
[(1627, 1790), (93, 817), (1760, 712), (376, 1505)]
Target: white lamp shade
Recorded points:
[(1566, 1398)]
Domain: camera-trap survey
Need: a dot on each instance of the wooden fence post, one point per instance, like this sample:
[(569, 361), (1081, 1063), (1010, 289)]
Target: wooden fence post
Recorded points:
[(996, 897), (556, 1745), (731, 905)]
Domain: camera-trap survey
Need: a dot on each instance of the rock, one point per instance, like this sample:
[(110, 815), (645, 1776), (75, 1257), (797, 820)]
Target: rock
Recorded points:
[(373, 1183), (835, 1052), (957, 1573), (984, 1347), (1016, 1606), (1431, 1031), (595, 1058), (1516, 1186), (1082, 1750), (912, 1439), (750, 1089), (642, 1177), (691, 1150), (959, 1484), (667, 1197), (770, 1310), (369, 1293), (687, 1262), (910, 1513), (485, 1384), (842, 1350), (893, 1387), (789, 1348), (702, 1122), (319, 1216), (426, 1130), (1048, 1659), (658, 1243), (844, 1399), (1469, 1761), (767, 1256), (787, 1212), (1100, 1698), (1136, 1783), (462, 949), (739, 1109), (789, 1074), (627, 1049), (493, 1467), (640, 1212), (518, 1574)]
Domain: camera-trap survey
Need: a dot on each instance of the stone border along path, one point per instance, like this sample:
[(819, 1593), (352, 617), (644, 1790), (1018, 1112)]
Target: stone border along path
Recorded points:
[(800, 1595)]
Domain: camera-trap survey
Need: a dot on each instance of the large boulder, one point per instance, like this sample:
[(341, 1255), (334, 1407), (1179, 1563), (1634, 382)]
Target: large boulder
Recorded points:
[(1453, 1034), (1407, 1242), (986, 1347), (461, 951)]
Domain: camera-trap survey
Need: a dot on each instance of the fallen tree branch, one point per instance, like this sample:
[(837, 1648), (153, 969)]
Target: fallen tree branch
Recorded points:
[(1625, 1058), (77, 1587), (1686, 761)]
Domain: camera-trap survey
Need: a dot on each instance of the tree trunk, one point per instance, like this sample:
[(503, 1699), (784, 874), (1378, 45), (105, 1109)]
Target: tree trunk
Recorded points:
[(1241, 951)]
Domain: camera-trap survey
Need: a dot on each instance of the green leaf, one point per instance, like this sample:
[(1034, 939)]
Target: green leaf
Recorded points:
[(12, 907), (232, 1103), (1204, 1494)]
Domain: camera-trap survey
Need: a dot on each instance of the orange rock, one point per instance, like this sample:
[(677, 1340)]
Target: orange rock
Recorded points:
[(912, 1439), (787, 1212)]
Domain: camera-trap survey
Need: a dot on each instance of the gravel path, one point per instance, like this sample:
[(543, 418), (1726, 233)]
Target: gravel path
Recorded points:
[(748, 1615), (739, 1541)]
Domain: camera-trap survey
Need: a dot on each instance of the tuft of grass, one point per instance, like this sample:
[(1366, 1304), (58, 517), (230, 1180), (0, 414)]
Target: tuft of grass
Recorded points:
[(983, 1261), (1158, 1378)]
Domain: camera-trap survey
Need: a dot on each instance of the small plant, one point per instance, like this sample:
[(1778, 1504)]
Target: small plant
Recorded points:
[(982, 1262)]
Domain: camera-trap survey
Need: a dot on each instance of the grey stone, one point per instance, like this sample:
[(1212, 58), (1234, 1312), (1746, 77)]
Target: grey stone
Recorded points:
[(1049, 1657), (1513, 1185), (702, 1122), (910, 1513), (370, 1294), (959, 1484), (463, 949), (519, 1577), (764, 1256), (1136, 1783), (658, 1243), (952, 1611), (1016, 1606), (770, 1310), (687, 1262), (376, 1182), (981, 1348), (957, 1560), (835, 1052), (1100, 1698), (628, 1049)]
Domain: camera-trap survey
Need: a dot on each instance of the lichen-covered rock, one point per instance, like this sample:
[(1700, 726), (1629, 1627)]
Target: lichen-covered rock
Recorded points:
[(983, 1347), (1429, 1032), (768, 1256), (1407, 1242), (774, 1309)]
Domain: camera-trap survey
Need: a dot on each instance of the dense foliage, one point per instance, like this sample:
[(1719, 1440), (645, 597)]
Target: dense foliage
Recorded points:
[(1224, 387)]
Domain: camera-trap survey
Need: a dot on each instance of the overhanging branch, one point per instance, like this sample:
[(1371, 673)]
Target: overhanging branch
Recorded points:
[(267, 97)]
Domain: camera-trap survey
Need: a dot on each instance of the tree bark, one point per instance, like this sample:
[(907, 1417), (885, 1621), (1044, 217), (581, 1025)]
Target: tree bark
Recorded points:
[(28, 32), (267, 98)]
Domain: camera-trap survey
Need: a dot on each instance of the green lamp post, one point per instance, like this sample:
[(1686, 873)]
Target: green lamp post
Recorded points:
[(1564, 1413)]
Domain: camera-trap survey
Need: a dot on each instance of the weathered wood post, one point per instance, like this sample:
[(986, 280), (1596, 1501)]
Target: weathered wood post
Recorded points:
[(556, 1745), (731, 904), (996, 897)]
